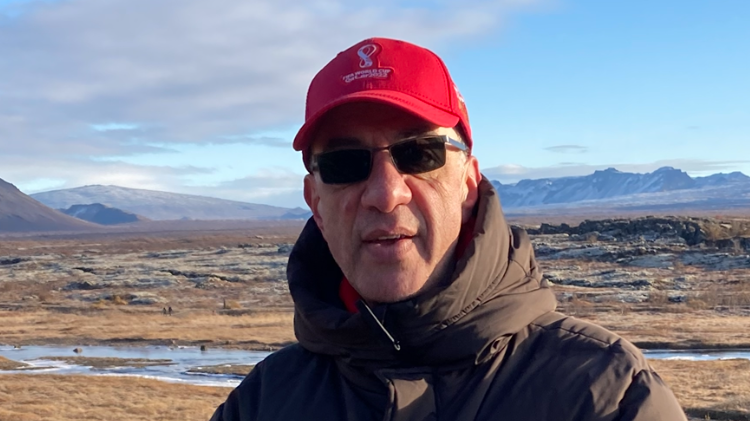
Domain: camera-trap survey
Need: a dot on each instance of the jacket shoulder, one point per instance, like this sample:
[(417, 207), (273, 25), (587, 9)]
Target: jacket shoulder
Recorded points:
[(570, 335), (291, 365), (287, 360), (284, 371), (605, 373)]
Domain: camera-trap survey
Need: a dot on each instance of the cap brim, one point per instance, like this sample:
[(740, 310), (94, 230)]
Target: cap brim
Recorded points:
[(408, 103)]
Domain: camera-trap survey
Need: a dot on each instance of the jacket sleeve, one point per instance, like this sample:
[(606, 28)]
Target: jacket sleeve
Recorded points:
[(649, 399), (242, 403)]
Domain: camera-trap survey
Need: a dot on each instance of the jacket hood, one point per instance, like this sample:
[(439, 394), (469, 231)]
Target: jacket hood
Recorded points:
[(494, 292)]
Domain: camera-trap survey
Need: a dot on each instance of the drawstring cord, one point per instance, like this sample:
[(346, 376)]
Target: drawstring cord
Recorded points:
[(368, 315)]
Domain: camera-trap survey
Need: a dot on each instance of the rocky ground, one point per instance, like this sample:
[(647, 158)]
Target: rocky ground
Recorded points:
[(247, 273), (644, 264), (656, 261)]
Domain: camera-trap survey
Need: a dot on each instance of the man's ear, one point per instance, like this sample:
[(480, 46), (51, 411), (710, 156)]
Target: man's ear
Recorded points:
[(313, 199), (470, 187)]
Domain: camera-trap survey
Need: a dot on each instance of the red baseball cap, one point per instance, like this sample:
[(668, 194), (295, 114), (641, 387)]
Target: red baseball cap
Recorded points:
[(388, 71)]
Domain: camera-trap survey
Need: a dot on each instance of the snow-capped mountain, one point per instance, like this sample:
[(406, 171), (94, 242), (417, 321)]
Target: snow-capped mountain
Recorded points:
[(159, 205), (722, 179), (609, 184)]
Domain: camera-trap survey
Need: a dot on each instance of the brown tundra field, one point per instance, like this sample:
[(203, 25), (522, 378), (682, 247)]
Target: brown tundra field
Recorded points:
[(661, 282)]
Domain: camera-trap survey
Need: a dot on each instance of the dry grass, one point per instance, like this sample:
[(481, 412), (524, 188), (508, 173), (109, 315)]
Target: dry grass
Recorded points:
[(717, 390), (739, 228), (232, 305), (6, 364), (735, 295), (658, 298), (734, 228), (67, 398), (715, 231), (257, 330), (697, 329)]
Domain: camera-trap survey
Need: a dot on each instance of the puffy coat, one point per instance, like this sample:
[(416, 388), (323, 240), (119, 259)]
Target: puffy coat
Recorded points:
[(488, 345)]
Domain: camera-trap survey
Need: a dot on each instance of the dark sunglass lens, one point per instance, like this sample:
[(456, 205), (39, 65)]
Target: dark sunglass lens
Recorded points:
[(344, 166), (419, 155)]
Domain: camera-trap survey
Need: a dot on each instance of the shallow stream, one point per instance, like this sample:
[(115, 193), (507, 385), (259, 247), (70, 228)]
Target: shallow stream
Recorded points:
[(186, 358), (697, 354), (183, 359)]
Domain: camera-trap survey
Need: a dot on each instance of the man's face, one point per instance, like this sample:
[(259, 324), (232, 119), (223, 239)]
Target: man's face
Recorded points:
[(393, 234)]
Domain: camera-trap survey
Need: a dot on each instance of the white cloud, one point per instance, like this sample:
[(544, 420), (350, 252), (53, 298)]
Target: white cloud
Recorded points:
[(275, 186), (77, 172), (197, 69), (108, 127), (84, 80), (567, 149)]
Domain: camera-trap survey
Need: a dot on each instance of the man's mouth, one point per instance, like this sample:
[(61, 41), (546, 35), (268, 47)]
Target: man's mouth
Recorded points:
[(388, 239)]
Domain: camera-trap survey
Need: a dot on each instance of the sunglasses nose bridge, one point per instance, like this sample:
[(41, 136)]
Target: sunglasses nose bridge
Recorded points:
[(377, 159), (385, 188), (378, 152)]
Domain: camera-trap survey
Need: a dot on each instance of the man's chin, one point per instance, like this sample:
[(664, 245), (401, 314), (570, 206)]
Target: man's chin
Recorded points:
[(389, 292)]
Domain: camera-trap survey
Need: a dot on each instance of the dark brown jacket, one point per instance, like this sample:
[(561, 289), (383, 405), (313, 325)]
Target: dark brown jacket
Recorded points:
[(486, 346)]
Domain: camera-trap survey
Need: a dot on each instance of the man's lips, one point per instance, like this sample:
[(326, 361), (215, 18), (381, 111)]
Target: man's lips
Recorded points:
[(388, 246), (382, 236)]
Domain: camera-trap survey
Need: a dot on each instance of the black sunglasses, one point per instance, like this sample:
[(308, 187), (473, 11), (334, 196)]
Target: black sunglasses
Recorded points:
[(412, 155)]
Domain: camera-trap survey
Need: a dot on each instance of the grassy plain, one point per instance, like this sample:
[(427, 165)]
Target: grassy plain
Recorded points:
[(715, 390), (698, 329), (702, 329), (43, 397), (259, 330), (227, 290)]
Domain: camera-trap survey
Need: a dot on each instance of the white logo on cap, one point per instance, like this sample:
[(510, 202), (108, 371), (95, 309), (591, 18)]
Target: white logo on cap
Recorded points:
[(366, 63), (364, 53)]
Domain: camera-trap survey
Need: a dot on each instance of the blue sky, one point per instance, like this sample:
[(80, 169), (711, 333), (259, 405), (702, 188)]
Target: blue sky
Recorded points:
[(192, 97)]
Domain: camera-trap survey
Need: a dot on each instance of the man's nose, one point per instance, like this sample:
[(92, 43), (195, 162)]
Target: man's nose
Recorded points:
[(385, 189)]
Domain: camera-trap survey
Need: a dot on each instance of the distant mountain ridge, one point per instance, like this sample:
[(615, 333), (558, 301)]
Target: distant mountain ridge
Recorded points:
[(159, 205), (21, 213), (666, 188), (609, 184), (102, 214)]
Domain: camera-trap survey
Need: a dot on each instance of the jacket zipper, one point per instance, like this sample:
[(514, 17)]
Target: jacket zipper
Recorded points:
[(373, 321)]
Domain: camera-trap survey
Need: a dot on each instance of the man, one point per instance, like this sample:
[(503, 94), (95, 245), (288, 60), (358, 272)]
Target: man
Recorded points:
[(414, 300)]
